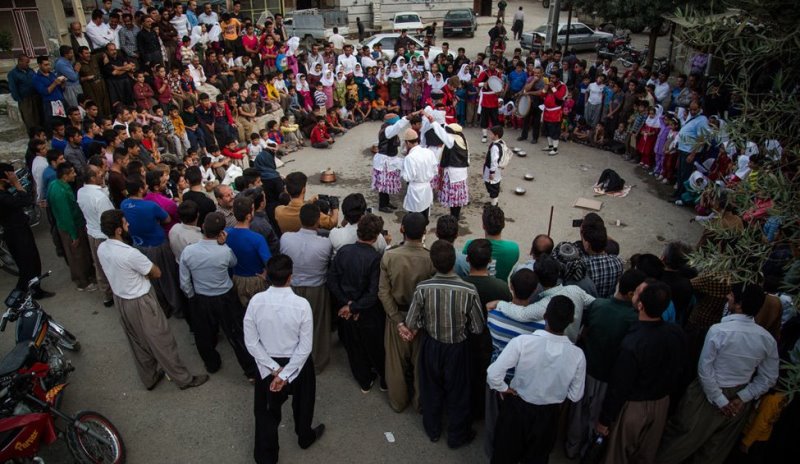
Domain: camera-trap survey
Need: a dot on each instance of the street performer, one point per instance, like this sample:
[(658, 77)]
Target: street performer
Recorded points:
[(419, 168), (534, 87), (554, 94), (453, 168), (488, 100), (386, 164)]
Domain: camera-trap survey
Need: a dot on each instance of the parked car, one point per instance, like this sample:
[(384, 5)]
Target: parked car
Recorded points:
[(387, 44), (461, 21), (407, 21), (581, 37)]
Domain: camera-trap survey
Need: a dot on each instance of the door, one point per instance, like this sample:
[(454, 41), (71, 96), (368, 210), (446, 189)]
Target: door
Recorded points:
[(20, 18), (584, 37)]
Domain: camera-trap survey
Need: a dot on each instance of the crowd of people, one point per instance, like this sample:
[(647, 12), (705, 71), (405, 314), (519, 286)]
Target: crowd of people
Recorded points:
[(155, 141)]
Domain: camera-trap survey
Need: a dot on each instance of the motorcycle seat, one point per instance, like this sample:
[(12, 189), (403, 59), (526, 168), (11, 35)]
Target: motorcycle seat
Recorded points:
[(15, 359)]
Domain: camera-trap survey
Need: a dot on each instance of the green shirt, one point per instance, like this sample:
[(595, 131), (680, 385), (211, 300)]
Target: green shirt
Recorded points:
[(505, 255), (606, 322), (61, 201), (489, 289)]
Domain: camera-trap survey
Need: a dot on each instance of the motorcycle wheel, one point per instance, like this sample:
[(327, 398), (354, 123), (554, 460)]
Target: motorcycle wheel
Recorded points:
[(63, 337), (7, 261), (88, 449)]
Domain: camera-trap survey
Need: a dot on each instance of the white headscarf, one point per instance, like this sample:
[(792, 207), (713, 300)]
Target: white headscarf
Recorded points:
[(343, 78), (654, 122), (198, 36), (394, 71), (436, 82), (313, 71), (357, 71), (463, 73), (301, 84), (214, 33), (327, 79), (292, 45)]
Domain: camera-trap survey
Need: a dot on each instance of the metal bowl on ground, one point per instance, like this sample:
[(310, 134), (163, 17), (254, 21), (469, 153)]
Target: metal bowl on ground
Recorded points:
[(516, 149), (529, 176), (519, 191), (327, 176)]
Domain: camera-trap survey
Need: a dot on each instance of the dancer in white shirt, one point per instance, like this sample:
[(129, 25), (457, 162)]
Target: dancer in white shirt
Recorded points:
[(419, 169)]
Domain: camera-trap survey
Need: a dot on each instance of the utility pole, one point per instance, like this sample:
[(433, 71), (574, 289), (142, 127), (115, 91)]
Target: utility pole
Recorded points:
[(552, 24)]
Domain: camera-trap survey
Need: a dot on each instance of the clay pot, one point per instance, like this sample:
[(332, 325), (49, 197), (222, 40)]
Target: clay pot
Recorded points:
[(327, 176)]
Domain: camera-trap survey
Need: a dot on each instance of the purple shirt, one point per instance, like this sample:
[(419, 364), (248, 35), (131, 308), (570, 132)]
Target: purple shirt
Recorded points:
[(167, 205)]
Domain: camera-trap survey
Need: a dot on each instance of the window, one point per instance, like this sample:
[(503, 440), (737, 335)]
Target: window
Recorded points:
[(21, 19), (387, 43), (580, 29)]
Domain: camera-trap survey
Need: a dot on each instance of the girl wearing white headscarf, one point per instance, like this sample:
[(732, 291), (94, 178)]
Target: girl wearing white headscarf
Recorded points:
[(395, 78), (437, 84), (648, 135), (327, 81), (463, 73), (314, 75), (340, 88), (291, 53), (304, 91)]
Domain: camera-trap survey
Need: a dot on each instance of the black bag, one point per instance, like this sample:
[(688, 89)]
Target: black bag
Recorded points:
[(610, 181)]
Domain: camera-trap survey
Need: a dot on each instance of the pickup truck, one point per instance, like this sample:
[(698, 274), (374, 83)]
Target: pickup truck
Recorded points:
[(314, 24)]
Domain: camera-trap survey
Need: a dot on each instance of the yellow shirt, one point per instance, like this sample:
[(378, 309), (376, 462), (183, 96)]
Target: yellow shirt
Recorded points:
[(230, 29), (272, 92), (288, 217)]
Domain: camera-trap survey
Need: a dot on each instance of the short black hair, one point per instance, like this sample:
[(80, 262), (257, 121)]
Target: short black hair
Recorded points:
[(353, 207), (655, 298), (547, 270), (447, 228), (110, 221), (414, 225), (63, 168), (649, 264), (676, 255), (309, 215), (494, 220), (369, 227), (560, 313), (631, 279), (188, 211), (134, 184), (295, 183), (213, 224), (153, 179), (279, 269), (193, 175), (242, 206), (596, 237), (443, 256), (497, 130), (524, 283), (479, 253), (750, 296)]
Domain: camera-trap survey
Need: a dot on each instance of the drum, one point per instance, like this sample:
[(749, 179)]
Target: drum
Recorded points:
[(523, 105), (495, 83)]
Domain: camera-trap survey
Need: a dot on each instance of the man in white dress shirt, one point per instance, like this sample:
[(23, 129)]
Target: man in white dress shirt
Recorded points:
[(548, 370), (129, 273), (347, 60), (353, 207), (208, 16), (93, 200), (278, 332), (738, 364), (98, 32), (419, 168)]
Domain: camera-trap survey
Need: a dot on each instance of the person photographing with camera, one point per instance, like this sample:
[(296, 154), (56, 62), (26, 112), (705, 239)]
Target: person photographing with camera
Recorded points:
[(288, 216)]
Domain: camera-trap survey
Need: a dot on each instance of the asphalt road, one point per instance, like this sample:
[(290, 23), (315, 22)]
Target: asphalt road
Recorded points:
[(214, 423)]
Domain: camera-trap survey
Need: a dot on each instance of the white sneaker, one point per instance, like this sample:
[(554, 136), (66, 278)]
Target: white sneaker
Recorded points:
[(678, 202), (553, 152), (88, 288), (548, 148), (483, 139)]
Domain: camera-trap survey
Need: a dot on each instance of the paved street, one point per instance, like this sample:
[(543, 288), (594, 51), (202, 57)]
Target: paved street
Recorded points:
[(214, 423)]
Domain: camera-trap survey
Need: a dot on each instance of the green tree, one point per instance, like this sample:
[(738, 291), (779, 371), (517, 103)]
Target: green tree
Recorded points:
[(754, 46)]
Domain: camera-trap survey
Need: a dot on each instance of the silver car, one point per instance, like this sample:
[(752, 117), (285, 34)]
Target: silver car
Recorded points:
[(581, 37)]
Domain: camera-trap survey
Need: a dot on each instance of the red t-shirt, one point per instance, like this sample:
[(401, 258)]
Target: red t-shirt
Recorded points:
[(489, 99), (553, 102), (319, 134)]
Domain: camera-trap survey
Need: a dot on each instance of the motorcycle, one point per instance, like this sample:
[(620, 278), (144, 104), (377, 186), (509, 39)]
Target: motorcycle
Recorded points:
[(610, 48), (629, 55), (29, 413), (49, 338)]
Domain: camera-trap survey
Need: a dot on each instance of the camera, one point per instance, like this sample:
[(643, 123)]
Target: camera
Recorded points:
[(331, 201), (577, 222)]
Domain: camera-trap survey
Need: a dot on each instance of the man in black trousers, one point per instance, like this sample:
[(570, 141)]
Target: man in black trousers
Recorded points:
[(446, 307), (278, 332)]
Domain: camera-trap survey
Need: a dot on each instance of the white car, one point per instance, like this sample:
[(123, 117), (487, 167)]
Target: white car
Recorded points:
[(581, 37), (407, 21), (387, 44)]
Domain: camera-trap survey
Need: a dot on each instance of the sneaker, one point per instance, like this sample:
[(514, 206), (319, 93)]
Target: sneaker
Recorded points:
[(553, 152), (547, 148), (678, 202), (484, 139), (196, 381), (382, 385), (367, 390), (88, 288)]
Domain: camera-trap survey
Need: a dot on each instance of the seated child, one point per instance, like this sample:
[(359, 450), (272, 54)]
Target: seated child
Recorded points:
[(291, 133), (364, 111), (393, 107), (237, 155)]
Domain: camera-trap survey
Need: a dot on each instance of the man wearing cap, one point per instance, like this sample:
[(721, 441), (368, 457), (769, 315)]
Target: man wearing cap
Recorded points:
[(205, 279), (488, 100), (554, 94), (386, 164), (454, 166), (419, 169)]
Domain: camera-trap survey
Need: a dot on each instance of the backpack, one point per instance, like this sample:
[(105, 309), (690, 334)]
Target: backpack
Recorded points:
[(610, 181), (505, 154)]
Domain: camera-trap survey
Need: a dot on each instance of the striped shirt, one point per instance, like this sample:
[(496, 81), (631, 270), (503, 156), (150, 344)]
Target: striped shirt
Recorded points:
[(503, 327), (446, 307)]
